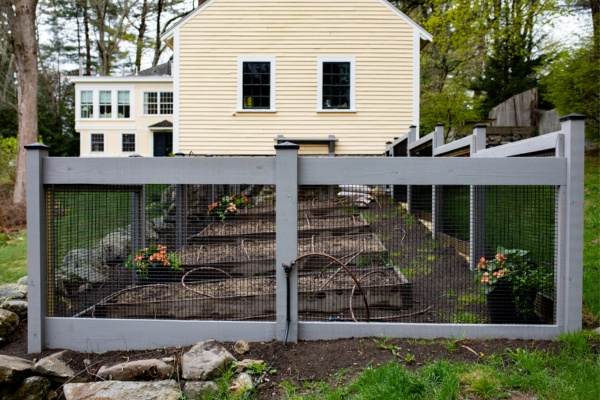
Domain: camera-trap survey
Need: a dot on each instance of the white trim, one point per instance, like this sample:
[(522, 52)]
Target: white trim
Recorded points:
[(91, 148), (273, 83), (119, 79), (114, 89), (336, 58), (416, 79), (422, 32), (135, 142), (418, 28), (158, 93), (176, 91)]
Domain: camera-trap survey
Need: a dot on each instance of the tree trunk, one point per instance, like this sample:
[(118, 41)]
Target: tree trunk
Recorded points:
[(22, 25), (140, 39), (157, 41), (88, 42), (595, 6)]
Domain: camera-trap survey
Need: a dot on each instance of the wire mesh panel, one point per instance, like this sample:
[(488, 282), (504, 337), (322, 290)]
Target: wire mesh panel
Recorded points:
[(162, 251), (364, 257)]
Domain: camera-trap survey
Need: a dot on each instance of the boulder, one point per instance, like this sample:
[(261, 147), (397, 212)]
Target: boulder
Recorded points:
[(119, 390), (205, 360), (19, 307), (137, 370), (13, 368), (23, 281), (241, 347), (241, 383), (12, 291), (8, 322), (83, 266), (33, 388), (115, 246), (55, 366), (199, 389)]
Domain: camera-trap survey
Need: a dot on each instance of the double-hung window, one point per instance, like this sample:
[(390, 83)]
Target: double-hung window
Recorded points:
[(158, 103), (256, 77), (128, 142), (123, 104), (86, 101), (336, 84), (97, 141), (105, 104)]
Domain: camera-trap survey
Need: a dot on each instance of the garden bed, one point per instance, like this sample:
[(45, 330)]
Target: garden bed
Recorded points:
[(233, 230), (327, 293)]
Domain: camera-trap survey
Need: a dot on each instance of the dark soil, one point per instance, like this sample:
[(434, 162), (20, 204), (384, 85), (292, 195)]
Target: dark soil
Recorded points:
[(304, 361)]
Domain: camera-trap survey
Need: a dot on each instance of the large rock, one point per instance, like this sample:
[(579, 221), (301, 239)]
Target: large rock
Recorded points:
[(23, 281), (205, 360), (13, 368), (19, 307), (8, 322), (241, 347), (115, 247), (118, 390), (83, 266), (55, 366), (12, 291), (33, 388), (199, 390), (137, 370)]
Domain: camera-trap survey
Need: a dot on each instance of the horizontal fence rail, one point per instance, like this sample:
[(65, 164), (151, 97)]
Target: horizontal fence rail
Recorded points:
[(290, 248)]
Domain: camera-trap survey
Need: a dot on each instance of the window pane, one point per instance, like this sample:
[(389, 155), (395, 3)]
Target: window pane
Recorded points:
[(336, 85), (87, 104), (123, 108), (97, 142), (128, 142), (105, 104), (166, 102), (150, 103), (256, 85)]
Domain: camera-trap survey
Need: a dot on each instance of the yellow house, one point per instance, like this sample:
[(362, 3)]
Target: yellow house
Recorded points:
[(332, 75)]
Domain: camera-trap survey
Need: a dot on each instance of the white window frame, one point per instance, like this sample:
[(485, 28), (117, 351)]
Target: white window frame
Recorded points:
[(336, 58), (92, 151), (128, 103), (91, 116), (158, 92), (112, 105), (240, 83), (123, 142)]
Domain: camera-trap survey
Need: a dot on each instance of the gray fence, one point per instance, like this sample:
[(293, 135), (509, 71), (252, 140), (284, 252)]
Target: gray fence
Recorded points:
[(271, 271)]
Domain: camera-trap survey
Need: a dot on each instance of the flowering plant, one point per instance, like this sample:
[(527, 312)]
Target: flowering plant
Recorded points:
[(228, 205), (525, 277), (155, 255)]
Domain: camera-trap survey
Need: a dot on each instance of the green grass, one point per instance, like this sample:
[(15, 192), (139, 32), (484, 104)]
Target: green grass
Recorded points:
[(13, 257), (571, 373), (591, 255)]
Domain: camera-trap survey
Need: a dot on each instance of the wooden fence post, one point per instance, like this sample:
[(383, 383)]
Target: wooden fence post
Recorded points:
[(571, 207), (477, 204), (436, 191), (36, 248), (286, 237)]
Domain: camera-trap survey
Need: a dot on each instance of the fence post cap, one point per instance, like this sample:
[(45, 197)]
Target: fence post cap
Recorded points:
[(439, 124), (412, 126), (480, 125), (36, 146), (286, 146), (572, 117)]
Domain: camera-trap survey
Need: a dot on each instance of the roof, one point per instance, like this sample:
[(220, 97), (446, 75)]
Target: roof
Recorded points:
[(203, 4), (159, 70), (162, 124)]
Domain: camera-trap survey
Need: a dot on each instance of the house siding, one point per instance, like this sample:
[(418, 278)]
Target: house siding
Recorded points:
[(113, 128), (296, 34)]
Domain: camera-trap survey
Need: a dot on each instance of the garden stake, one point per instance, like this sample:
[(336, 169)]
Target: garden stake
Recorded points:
[(287, 268)]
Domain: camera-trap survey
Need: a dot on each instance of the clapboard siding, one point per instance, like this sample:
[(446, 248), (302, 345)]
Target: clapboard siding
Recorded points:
[(296, 33)]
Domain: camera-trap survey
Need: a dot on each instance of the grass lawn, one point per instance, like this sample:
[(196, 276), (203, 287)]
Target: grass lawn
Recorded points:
[(13, 257), (591, 255)]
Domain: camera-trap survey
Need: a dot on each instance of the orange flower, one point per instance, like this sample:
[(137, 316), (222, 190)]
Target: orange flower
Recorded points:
[(500, 257), (485, 278), (501, 273), (482, 263), (212, 206)]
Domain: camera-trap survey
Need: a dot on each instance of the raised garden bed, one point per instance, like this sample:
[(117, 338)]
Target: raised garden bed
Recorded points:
[(219, 232), (248, 257), (327, 293)]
